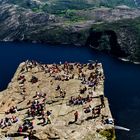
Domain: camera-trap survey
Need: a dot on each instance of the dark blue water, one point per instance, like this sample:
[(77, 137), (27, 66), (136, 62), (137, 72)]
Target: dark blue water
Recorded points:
[(122, 85)]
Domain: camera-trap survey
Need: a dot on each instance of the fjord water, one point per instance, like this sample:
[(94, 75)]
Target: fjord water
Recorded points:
[(122, 84)]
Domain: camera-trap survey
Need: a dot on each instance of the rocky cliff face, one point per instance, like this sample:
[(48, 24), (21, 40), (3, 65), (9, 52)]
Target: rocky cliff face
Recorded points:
[(41, 21), (120, 38), (16, 21), (72, 3)]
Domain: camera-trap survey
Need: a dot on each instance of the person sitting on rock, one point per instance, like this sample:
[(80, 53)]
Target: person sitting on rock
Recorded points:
[(57, 88), (62, 94), (11, 110), (88, 109), (26, 126), (82, 91), (97, 112), (20, 129), (7, 122), (66, 78), (44, 95), (33, 113), (34, 79), (21, 77), (22, 82), (38, 94), (107, 120), (44, 120), (80, 101), (31, 126), (49, 112), (14, 119)]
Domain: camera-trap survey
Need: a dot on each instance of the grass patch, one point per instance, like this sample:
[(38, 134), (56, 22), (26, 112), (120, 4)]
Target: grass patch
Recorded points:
[(108, 133)]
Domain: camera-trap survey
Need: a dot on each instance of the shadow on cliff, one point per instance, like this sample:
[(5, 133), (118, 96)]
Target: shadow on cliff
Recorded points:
[(105, 41)]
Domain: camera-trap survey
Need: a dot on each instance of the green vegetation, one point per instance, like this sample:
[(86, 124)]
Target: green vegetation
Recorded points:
[(69, 8), (70, 13), (108, 133), (56, 6), (113, 3), (131, 33), (90, 136), (36, 10), (129, 24)]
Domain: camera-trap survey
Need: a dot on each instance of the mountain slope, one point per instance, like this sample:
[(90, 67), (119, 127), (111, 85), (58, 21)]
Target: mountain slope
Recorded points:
[(72, 4), (71, 22)]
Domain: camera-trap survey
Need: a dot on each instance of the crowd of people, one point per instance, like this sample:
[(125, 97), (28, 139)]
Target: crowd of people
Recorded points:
[(37, 109), (66, 72), (27, 125), (90, 81), (62, 73), (8, 121), (12, 110), (80, 100)]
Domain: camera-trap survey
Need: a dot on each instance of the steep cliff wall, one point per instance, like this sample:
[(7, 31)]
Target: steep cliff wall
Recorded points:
[(120, 38), (118, 28)]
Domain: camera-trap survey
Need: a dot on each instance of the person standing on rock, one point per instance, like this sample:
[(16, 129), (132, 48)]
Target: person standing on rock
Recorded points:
[(76, 115), (102, 100)]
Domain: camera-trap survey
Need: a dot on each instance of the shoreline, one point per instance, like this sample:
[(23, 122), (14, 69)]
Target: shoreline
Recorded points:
[(127, 60), (76, 45)]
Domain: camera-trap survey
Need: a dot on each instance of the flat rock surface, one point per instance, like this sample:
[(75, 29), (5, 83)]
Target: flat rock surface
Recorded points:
[(22, 94)]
